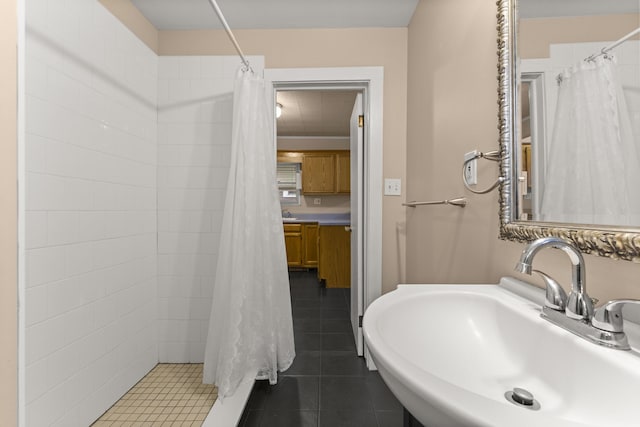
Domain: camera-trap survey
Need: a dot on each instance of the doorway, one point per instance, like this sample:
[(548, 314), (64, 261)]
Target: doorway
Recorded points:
[(366, 223)]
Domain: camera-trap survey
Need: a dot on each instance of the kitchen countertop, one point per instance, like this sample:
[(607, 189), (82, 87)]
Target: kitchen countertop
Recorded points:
[(321, 219)]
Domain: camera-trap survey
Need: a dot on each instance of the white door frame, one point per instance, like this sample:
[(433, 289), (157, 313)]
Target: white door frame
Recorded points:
[(372, 79), (356, 145), (538, 136)]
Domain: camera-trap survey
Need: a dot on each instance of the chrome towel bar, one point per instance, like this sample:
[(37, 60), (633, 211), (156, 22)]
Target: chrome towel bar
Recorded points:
[(460, 201)]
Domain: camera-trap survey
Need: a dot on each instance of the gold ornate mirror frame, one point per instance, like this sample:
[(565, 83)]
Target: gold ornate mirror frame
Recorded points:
[(608, 241)]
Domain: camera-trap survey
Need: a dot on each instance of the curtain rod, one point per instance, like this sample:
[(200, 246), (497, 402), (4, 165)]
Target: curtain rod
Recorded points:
[(615, 44), (223, 21)]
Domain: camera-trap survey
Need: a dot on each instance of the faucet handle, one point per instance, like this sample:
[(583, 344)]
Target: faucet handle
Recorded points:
[(556, 297), (609, 316)]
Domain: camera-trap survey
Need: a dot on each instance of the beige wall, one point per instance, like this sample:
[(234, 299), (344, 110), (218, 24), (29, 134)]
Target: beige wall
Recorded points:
[(537, 34), (452, 109), (8, 215), (130, 16), (385, 47), (308, 48)]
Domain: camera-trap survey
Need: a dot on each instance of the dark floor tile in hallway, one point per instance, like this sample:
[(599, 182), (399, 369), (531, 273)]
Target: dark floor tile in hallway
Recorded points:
[(328, 384)]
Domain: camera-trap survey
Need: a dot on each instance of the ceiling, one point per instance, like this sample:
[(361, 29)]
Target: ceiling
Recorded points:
[(259, 14), (327, 113), (556, 8), (321, 113), (324, 113)]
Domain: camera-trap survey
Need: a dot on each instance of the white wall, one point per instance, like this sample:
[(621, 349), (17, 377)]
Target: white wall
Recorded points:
[(292, 143), (329, 204), (195, 98), (91, 211), (127, 163)]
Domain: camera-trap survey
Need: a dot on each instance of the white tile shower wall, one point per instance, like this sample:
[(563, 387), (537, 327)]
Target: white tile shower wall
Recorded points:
[(91, 244), (195, 95)]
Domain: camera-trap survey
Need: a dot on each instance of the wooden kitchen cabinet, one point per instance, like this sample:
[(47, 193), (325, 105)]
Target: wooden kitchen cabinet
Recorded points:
[(301, 242), (310, 255), (334, 256), (343, 172), (323, 172), (318, 173), (293, 244), (290, 156)]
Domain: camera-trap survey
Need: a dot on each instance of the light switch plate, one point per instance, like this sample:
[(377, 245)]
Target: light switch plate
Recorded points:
[(392, 187)]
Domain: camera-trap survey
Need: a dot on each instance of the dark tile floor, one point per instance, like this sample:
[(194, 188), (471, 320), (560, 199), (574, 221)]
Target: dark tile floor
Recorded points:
[(328, 385)]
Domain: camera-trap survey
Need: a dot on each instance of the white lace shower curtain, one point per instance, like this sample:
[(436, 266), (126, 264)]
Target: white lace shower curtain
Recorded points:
[(250, 329), (593, 169)]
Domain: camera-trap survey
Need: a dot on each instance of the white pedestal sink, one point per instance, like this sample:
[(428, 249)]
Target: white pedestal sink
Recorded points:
[(450, 352)]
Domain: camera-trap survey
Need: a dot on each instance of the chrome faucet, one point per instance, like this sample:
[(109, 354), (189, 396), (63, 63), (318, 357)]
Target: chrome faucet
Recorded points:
[(578, 305), (575, 313)]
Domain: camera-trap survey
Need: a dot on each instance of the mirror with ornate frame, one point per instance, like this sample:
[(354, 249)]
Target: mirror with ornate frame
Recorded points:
[(610, 240)]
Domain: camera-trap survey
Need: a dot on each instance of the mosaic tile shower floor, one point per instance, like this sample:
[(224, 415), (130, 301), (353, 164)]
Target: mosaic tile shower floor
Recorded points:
[(170, 395)]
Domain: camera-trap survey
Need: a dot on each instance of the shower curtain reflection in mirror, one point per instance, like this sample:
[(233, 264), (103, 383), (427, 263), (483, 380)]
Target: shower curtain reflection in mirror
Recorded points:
[(593, 164)]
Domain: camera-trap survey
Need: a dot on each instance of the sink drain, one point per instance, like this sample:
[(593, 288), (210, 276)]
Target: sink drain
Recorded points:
[(523, 398)]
